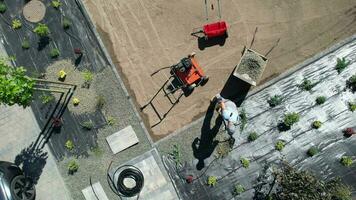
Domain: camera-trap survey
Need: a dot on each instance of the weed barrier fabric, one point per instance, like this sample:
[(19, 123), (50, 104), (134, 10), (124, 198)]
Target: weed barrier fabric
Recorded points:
[(37, 58), (329, 139)]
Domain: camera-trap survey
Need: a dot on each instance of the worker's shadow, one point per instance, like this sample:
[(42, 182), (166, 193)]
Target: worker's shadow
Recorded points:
[(204, 146)]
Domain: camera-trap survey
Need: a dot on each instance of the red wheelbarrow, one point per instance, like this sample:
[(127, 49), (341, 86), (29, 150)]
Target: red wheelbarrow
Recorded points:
[(217, 29)]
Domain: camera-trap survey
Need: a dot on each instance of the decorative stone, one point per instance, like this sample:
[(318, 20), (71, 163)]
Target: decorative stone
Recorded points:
[(34, 11)]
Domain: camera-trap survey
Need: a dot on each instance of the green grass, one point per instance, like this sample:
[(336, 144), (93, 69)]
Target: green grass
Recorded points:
[(45, 99)]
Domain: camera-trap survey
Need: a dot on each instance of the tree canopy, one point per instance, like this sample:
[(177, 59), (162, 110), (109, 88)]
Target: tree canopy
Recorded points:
[(15, 86)]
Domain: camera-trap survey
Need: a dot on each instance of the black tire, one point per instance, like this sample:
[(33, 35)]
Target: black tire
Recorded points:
[(204, 80), (22, 188)]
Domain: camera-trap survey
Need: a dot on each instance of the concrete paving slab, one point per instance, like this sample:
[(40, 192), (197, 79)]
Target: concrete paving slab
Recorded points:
[(94, 192), (157, 184), (122, 139)]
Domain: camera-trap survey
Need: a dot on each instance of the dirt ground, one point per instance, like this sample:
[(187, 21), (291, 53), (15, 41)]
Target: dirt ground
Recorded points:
[(145, 35)]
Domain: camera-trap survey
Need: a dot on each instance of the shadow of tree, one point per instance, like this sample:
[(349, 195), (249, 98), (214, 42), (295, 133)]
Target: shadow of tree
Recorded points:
[(32, 160), (204, 146)]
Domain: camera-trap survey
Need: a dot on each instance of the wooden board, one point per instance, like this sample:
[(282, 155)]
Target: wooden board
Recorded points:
[(122, 139)]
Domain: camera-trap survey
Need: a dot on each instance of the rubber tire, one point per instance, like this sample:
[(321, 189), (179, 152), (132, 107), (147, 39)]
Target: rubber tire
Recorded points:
[(204, 80)]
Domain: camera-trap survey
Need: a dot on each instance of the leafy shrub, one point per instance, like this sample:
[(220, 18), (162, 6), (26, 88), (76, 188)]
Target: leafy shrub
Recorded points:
[(76, 101), (290, 119), (252, 137), (25, 44), (45, 99), (100, 102), (307, 85), (41, 30), (54, 53), (317, 124), (279, 145), (2, 7), (88, 77), (245, 163), (15, 86), (69, 145), (66, 23), (243, 118), (238, 189), (341, 64), (56, 4), (312, 151), (275, 100), (352, 106), (212, 180), (16, 24), (73, 166), (111, 121), (346, 161), (320, 100), (88, 125), (62, 74), (351, 83)]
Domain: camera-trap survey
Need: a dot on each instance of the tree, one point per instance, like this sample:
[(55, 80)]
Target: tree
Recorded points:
[(15, 86), (291, 184)]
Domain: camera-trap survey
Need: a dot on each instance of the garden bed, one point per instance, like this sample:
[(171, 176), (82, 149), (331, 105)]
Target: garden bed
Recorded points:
[(72, 46)]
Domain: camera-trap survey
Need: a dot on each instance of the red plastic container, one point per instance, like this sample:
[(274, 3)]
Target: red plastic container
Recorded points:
[(216, 29)]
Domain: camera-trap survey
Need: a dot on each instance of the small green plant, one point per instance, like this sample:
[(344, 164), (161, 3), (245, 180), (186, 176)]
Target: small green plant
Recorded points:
[(111, 121), (41, 30), (88, 77), (2, 7), (56, 4), (279, 145), (243, 118), (341, 64), (275, 100), (320, 100), (76, 101), (16, 24), (25, 44), (54, 53), (252, 137), (69, 145), (312, 151), (45, 99), (352, 106), (346, 161), (97, 151), (245, 163), (212, 180), (351, 83), (307, 85), (66, 23), (100, 102), (238, 189), (88, 125), (290, 119), (73, 166), (176, 154), (317, 124)]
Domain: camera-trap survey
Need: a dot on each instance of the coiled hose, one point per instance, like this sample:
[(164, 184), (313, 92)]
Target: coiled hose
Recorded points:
[(126, 171)]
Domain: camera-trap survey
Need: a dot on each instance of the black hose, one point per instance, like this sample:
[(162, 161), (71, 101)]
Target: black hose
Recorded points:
[(119, 188)]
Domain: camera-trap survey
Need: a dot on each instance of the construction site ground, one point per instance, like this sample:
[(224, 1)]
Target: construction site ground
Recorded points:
[(145, 35)]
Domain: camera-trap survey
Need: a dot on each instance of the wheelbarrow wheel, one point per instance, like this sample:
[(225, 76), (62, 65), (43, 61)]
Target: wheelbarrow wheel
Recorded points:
[(204, 80), (191, 87)]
